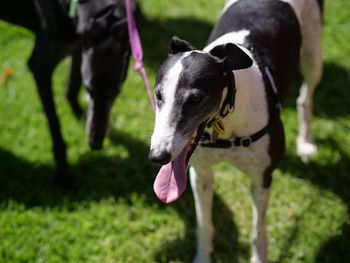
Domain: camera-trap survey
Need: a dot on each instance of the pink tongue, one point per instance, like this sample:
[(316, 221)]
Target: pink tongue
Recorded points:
[(171, 180)]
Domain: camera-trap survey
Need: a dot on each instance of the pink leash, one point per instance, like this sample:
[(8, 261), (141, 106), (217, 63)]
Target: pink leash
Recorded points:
[(136, 49)]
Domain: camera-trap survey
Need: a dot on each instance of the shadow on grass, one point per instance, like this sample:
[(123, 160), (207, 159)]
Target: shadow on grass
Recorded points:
[(332, 176), (100, 176), (226, 246), (331, 96), (331, 100)]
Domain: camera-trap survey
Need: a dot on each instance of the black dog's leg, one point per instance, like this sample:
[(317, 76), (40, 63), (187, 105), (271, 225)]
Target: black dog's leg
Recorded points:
[(75, 84), (45, 57)]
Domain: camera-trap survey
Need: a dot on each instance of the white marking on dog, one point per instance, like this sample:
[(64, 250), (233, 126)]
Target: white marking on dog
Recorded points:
[(259, 235), (164, 136), (232, 37), (90, 113), (203, 195)]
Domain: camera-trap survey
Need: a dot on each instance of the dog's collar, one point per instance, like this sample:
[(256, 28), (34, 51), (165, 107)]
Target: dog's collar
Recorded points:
[(228, 103), (244, 141)]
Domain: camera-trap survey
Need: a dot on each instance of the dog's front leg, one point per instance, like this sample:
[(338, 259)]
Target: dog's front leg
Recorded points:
[(46, 55), (75, 83), (202, 187), (260, 196)]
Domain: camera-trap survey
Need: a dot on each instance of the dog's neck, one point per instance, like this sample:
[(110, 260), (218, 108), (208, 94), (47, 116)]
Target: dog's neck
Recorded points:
[(251, 109)]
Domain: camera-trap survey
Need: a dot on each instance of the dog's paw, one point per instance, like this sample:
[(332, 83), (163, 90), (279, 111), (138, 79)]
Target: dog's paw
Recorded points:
[(305, 149)]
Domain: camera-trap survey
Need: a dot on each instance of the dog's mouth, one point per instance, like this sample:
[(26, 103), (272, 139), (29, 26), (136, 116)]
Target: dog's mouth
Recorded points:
[(171, 179)]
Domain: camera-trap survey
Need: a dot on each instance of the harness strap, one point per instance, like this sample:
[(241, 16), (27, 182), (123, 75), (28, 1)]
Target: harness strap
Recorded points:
[(244, 141), (228, 104)]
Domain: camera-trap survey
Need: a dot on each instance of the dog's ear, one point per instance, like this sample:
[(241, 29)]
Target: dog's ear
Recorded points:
[(99, 23), (178, 45), (119, 30), (232, 56), (93, 28)]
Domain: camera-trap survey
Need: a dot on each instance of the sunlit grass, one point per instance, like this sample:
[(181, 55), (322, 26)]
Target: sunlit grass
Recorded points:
[(115, 217)]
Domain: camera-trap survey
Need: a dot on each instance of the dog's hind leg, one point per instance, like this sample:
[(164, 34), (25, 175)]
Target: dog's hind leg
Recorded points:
[(311, 67), (46, 55), (260, 196), (202, 187), (74, 84)]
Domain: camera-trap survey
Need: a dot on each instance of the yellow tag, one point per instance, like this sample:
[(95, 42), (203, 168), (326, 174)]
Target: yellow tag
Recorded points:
[(219, 127)]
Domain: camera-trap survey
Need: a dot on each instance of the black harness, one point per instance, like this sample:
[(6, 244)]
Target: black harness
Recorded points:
[(228, 106)]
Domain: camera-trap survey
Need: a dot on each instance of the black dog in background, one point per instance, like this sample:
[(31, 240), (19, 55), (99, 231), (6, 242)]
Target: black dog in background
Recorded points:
[(96, 38)]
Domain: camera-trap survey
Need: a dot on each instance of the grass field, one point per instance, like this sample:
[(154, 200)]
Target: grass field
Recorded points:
[(115, 216)]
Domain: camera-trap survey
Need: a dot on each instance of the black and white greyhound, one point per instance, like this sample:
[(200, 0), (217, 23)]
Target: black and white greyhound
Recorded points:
[(96, 38), (226, 98)]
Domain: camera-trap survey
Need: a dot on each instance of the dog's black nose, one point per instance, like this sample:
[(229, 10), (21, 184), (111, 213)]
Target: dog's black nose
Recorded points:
[(161, 158)]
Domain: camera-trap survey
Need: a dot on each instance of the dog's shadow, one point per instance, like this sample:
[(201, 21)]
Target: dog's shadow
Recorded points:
[(99, 176), (331, 100), (332, 177)]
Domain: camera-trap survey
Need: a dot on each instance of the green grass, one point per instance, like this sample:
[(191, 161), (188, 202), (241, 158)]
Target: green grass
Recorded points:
[(115, 217)]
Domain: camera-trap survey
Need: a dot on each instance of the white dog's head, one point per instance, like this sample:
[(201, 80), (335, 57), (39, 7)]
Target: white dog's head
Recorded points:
[(189, 90)]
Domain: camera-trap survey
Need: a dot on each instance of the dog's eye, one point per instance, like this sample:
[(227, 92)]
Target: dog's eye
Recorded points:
[(194, 99), (159, 96)]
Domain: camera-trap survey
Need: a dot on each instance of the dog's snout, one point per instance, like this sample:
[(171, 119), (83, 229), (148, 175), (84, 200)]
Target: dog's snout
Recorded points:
[(159, 157), (95, 141), (94, 145)]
